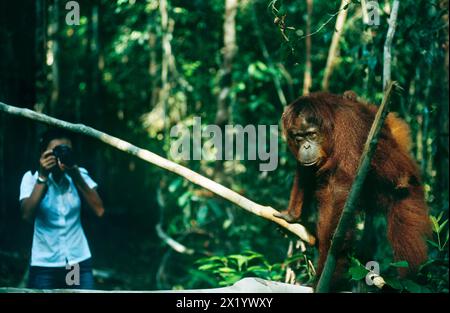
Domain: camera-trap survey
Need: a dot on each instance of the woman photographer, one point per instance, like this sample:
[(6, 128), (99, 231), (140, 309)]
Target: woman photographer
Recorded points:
[(60, 256)]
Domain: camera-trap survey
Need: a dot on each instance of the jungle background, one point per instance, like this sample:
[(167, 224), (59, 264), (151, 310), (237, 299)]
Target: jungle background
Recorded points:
[(135, 68)]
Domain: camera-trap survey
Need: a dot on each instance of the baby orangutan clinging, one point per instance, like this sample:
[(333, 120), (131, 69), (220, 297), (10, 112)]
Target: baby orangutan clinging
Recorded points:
[(326, 134)]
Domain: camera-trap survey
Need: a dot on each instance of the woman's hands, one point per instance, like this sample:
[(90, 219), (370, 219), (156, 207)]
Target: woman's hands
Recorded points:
[(46, 163)]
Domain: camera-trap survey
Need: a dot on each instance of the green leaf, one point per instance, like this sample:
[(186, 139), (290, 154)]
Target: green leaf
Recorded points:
[(226, 270), (209, 259), (241, 260), (434, 224), (253, 255), (175, 184), (226, 223), (258, 71), (434, 244), (240, 86), (440, 216), (441, 227), (207, 267), (261, 66), (294, 258), (184, 198), (358, 272), (355, 262)]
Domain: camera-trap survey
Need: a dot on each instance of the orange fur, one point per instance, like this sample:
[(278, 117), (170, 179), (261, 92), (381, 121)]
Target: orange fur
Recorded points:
[(400, 131), (393, 186)]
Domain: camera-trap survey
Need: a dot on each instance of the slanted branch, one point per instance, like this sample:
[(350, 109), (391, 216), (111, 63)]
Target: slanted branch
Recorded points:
[(266, 212)]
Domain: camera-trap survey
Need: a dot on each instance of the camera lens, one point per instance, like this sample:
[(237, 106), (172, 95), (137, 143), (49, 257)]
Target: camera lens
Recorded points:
[(64, 154)]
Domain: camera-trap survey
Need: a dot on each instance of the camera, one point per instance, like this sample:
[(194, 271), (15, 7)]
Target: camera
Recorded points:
[(64, 154)]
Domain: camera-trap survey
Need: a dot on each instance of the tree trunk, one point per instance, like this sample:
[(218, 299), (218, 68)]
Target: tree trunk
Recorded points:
[(307, 80), (167, 52), (224, 100), (228, 51), (332, 53), (388, 43)]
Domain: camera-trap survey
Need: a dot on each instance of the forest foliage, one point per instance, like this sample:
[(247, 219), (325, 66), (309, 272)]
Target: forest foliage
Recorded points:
[(134, 69)]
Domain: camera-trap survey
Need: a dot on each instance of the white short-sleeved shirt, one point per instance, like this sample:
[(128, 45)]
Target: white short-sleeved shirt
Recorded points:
[(58, 236)]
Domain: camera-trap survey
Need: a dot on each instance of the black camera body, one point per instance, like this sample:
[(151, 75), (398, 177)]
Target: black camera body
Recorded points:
[(64, 154)]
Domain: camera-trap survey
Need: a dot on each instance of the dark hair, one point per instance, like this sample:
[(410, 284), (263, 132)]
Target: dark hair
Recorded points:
[(50, 134)]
